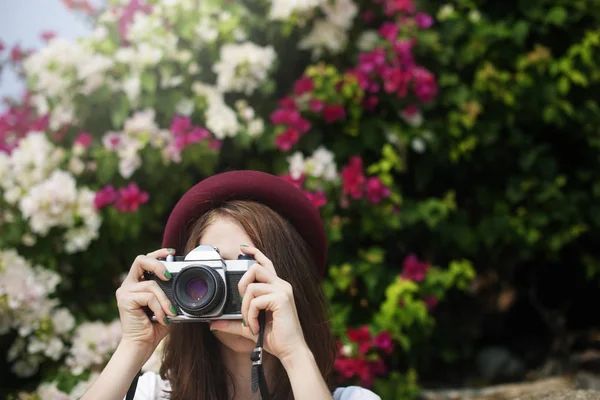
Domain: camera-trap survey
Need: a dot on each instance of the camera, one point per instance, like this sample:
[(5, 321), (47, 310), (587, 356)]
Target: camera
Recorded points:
[(204, 286)]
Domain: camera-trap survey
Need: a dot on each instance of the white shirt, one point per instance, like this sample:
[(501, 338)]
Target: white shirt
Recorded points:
[(151, 387)]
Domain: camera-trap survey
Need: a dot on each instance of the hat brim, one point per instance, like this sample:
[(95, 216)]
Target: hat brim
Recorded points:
[(270, 190)]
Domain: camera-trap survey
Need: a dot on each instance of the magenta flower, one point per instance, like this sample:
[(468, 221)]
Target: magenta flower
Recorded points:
[(413, 269), (130, 198), (128, 15), (431, 302), (395, 80), (383, 341), (304, 85), (376, 190), (84, 139), (425, 85), (353, 178), (180, 125), (362, 337), (332, 113), (370, 103), (399, 6), (403, 50), (215, 144), (287, 103), (319, 199), (16, 54), (389, 31), (424, 21), (316, 105), (2, 46), (105, 196), (48, 35), (287, 139)]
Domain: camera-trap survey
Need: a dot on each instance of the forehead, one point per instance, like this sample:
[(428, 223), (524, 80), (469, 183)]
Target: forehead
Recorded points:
[(227, 236)]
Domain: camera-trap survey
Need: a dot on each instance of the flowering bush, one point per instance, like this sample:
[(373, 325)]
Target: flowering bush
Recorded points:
[(393, 123)]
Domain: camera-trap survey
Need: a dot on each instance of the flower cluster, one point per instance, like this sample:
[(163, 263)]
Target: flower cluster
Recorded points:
[(93, 344), (46, 196), (126, 199), (362, 356), (356, 185), (17, 121), (416, 270), (26, 306)]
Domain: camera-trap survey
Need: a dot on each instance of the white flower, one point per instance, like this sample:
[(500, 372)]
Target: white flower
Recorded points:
[(243, 67), (474, 16), (221, 120), (414, 119), (132, 87), (93, 344), (418, 145), (283, 9), (141, 122), (256, 127), (445, 12), (76, 166), (49, 204), (322, 164), (367, 41), (62, 321), (206, 30), (340, 13), (296, 162), (185, 107), (324, 36), (49, 391)]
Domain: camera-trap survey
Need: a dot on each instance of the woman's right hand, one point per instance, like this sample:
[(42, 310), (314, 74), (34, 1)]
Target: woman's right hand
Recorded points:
[(135, 293)]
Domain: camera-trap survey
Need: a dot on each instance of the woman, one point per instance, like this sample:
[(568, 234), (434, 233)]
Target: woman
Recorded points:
[(239, 212)]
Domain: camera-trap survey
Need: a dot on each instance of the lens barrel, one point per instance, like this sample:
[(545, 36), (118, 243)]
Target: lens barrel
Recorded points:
[(198, 289)]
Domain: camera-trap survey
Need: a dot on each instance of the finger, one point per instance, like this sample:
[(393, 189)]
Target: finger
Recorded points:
[(254, 290), (256, 273), (146, 299), (270, 302), (152, 287), (259, 257), (146, 263), (234, 327), (161, 253)]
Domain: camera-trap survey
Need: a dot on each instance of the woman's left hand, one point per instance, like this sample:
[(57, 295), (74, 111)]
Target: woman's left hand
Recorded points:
[(262, 289)]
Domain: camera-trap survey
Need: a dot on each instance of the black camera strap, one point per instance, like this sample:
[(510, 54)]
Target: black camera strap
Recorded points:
[(258, 372)]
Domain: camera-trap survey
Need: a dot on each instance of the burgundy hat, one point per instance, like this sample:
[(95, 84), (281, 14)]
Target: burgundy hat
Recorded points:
[(270, 190)]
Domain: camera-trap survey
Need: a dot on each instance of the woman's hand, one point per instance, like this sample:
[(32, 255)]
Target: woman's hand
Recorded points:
[(262, 289), (134, 294)]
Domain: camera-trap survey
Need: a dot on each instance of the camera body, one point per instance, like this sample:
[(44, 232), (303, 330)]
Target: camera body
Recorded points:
[(204, 286)]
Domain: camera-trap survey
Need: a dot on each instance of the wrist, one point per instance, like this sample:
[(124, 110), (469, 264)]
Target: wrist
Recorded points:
[(300, 357), (135, 351)]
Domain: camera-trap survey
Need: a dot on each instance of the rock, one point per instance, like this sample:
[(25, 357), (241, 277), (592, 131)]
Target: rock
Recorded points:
[(563, 395), (498, 363)]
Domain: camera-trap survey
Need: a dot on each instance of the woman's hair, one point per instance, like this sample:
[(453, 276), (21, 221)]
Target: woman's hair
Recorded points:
[(192, 359)]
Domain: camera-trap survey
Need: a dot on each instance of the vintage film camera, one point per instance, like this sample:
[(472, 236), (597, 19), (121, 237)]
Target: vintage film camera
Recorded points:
[(204, 286)]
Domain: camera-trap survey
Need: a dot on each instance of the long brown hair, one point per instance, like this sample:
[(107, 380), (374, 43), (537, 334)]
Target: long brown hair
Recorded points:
[(192, 361)]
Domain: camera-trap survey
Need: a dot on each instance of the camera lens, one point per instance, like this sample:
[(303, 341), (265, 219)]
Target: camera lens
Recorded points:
[(196, 288)]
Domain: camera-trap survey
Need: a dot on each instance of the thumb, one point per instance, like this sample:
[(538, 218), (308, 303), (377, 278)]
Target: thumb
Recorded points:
[(234, 327)]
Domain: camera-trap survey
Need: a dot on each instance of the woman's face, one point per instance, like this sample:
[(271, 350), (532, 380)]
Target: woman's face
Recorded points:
[(228, 236)]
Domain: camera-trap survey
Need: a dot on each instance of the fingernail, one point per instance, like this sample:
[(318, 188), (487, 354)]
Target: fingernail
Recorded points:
[(245, 245), (166, 321), (244, 323), (173, 310), (170, 250), (167, 275)]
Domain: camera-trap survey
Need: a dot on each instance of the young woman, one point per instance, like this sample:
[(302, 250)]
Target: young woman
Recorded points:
[(239, 212)]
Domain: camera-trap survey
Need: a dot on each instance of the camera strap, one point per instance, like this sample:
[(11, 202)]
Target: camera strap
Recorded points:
[(258, 373)]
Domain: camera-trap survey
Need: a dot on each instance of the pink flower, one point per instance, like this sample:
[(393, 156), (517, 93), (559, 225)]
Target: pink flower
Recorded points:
[(16, 54), (395, 80), (332, 113), (370, 103), (215, 144), (425, 85), (403, 50), (316, 105), (399, 6), (287, 139), (2, 46), (130, 198), (84, 139), (353, 178), (304, 85), (105, 196), (413, 269), (389, 31), (376, 191), (296, 182), (133, 7), (180, 125), (424, 21), (362, 337), (383, 341), (48, 35), (317, 198), (430, 301), (287, 103)]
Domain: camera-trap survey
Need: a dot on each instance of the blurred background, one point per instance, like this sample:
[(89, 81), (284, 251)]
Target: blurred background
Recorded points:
[(451, 148)]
